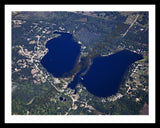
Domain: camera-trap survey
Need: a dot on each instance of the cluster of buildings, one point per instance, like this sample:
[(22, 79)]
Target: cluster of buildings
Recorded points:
[(115, 97)]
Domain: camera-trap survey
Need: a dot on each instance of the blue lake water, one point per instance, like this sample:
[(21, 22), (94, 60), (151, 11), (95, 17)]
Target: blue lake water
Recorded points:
[(62, 56), (104, 75)]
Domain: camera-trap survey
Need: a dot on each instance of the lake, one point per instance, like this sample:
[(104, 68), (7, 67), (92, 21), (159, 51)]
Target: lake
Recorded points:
[(104, 75), (63, 54)]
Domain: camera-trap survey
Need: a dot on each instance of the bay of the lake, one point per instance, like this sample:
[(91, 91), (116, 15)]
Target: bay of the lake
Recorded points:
[(62, 56), (106, 73)]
